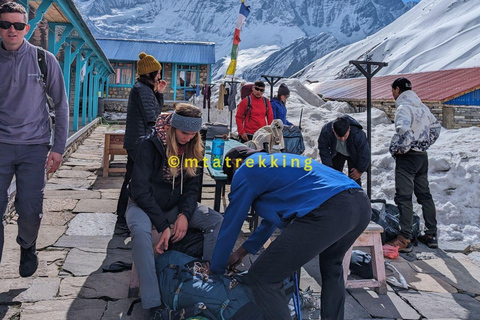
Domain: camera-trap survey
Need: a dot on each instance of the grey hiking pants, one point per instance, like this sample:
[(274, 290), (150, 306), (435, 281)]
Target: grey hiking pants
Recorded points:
[(205, 219), (27, 163), (411, 176), (327, 232)]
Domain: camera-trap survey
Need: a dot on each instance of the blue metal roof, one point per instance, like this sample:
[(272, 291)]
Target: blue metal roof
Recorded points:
[(164, 51)]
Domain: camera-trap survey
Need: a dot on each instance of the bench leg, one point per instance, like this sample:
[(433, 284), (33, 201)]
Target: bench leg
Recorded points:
[(378, 264)]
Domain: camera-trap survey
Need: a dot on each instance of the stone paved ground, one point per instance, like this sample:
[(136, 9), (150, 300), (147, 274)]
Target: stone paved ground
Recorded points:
[(76, 241)]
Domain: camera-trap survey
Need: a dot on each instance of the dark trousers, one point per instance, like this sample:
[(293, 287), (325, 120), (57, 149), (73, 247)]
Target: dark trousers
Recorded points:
[(411, 176), (327, 232), (27, 162), (123, 198), (339, 162), (250, 136)]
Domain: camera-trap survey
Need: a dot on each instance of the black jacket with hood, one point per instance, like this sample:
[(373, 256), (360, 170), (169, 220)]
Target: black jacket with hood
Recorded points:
[(156, 193), (357, 145), (144, 105)]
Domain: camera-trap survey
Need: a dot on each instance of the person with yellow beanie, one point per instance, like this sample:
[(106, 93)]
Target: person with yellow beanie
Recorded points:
[(145, 103)]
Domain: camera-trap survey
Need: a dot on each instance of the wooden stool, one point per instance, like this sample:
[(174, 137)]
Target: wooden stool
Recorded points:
[(134, 285), (113, 146), (369, 238)]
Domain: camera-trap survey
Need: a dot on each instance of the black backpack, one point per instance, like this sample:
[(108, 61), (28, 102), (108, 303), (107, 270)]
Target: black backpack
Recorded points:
[(43, 76)]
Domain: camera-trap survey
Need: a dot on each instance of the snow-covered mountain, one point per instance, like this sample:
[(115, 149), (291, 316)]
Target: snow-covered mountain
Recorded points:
[(434, 35), (271, 23)]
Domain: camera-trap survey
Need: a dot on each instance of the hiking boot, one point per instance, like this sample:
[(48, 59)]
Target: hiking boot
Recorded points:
[(121, 229), (28, 261), (402, 243), (430, 240)]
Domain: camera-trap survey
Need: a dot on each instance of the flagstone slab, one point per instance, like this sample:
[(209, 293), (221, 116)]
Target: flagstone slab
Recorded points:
[(70, 194), (69, 183), (50, 262), (96, 205), (443, 305), (57, 218), (12, 289), (422, 281), (10, 312), (73, 174), (387, 305), (94, 243), (84, 156), (61, 309), (459, 273), (92, 224), (117, 310), (105, 285), (41, 289), (58, 205), (48, 235), (110, 195), (82, 263)]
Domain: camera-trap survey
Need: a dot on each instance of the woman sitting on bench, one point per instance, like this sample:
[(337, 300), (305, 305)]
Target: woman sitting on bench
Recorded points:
[(163, 192)]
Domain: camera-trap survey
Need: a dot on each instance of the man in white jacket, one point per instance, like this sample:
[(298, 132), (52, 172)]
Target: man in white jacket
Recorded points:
[(416, 129)]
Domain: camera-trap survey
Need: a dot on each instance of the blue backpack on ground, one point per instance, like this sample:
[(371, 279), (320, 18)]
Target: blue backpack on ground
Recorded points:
[(216, 297), (293, 139), (184, 288)]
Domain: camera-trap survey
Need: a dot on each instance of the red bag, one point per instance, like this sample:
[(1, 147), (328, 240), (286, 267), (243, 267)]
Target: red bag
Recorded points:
[(246, 90), (390, 252)]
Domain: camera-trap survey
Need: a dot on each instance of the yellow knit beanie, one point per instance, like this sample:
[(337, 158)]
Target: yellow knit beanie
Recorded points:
[(147, 64)]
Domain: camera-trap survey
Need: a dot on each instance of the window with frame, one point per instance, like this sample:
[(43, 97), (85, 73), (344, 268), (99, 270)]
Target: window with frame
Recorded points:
[(186, 76), (123, 73)]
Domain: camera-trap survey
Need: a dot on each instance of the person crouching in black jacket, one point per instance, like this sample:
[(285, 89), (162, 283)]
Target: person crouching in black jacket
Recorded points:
[(163, 191), (344, 140)]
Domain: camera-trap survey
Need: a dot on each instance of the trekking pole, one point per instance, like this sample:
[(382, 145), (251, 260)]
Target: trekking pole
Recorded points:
[(296, 297), (300, 122)]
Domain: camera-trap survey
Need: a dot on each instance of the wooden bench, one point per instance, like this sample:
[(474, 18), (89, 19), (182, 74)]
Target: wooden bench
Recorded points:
[(113, 146), (371, 238)]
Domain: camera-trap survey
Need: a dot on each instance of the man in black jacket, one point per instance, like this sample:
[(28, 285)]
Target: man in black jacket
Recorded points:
[(144, 105), (344, 140)]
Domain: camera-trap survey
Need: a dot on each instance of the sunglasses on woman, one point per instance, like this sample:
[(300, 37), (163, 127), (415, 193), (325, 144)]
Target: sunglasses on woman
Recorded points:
[(17, 25)]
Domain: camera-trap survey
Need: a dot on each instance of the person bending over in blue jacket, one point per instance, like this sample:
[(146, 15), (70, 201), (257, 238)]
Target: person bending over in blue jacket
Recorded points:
[(321, 212)]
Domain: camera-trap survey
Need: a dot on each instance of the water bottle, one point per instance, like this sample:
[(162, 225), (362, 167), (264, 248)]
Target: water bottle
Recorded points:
[(218, 145)]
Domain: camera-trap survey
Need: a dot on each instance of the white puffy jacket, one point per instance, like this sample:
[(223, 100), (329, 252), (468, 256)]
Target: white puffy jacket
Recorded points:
[(416, 127)]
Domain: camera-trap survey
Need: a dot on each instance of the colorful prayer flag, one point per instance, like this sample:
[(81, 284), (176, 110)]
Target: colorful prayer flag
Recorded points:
[(242, 17)]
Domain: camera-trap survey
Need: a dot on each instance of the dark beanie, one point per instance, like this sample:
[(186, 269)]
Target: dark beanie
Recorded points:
[(241, 152), (403, 83), (283, 90)]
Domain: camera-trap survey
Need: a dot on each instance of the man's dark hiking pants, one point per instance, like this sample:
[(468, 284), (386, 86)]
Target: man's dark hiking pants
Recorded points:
[(339, 162), (27, 163), (411, 176), (327, 232)]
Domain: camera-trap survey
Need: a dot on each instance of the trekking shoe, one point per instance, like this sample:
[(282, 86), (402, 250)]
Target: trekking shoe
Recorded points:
[(402, 243), (429, 240), (28, 261), (121, 229)]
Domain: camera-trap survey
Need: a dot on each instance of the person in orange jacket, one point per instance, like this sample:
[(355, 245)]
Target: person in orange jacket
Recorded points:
[(253, 112)]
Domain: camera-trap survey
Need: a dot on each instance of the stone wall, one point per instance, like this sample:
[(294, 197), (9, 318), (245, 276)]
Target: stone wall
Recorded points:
[(451, 117), (118, 92)]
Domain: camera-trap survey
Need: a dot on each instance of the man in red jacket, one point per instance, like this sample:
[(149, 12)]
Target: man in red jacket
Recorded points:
[(253, 112)]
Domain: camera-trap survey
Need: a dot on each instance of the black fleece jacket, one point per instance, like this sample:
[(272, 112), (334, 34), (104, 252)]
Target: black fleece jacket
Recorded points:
[(144, 105), (154, 194), (357, 145)]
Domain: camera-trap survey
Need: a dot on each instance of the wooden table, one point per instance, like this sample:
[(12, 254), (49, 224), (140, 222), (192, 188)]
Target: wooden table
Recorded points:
[(113, 146)]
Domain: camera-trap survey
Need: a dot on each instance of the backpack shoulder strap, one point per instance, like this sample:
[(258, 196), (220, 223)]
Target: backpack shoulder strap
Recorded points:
[(266, 106), (42, 64), (248, 109)]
